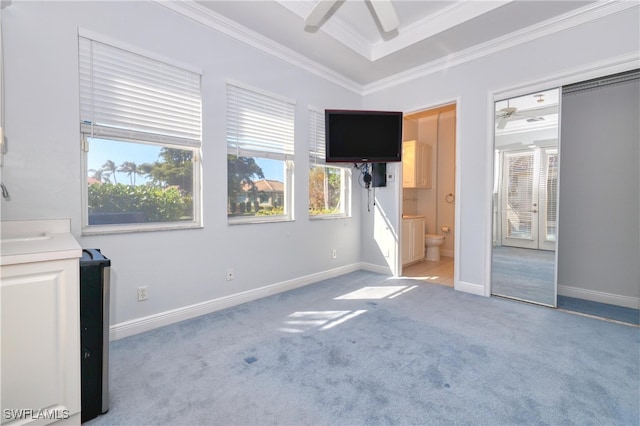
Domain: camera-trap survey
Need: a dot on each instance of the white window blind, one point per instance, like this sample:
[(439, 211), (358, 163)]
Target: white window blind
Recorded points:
[(520, 193), (549, 189), (317, 147), (129, 95), (259, 124)]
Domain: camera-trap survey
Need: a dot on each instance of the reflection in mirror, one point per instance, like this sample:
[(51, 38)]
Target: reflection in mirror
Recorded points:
[(525, 197)]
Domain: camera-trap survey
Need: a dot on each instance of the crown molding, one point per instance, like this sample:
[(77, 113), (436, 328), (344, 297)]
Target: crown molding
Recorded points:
[(563, 22), (230, 28), (613, 65), (223, 25), (455, 14)]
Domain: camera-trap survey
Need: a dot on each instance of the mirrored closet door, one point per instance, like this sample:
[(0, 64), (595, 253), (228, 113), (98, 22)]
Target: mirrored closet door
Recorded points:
[(525, 197)]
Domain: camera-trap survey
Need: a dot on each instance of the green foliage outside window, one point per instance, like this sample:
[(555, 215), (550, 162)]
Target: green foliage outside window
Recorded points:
[(150, 204), (165, 196), (270, 211), (241, 175), (324, 190)]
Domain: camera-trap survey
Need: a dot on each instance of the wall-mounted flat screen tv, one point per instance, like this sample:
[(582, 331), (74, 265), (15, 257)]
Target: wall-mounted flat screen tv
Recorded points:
[(363, 136)]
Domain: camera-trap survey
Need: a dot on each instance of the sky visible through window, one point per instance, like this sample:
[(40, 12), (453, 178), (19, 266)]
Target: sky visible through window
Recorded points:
[(101, 150)]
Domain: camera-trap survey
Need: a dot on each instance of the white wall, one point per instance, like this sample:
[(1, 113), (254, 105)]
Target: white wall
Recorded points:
[(380, 215), (181, 268), (556, 57)]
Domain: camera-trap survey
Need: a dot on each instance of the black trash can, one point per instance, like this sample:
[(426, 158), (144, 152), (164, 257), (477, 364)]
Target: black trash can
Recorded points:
[(94, 333)]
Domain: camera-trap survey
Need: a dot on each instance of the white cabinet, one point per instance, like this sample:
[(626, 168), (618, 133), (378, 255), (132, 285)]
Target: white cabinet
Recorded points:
[(412, 240), (40, 346), (416, 165)]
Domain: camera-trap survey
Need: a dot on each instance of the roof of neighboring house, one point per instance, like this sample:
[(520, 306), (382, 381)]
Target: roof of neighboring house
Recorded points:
[(92, 181), (266, 185)]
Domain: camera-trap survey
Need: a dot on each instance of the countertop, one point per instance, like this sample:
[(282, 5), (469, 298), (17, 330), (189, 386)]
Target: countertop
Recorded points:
[(37, 241)]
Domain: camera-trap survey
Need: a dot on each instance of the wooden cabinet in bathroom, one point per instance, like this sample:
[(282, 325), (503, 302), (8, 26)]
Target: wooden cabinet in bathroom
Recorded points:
[(416, 165), (412, 240)]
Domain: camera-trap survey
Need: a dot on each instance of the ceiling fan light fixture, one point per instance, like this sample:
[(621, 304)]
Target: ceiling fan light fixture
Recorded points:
[(382, 9), (386, 14), (319, 13)]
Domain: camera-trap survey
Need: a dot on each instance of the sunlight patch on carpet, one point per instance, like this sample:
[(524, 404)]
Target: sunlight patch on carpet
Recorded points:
[(299, 322), (378, 292)]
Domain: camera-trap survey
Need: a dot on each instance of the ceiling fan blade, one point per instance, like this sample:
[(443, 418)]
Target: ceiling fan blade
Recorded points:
[(319, 12), (502, 123), (508, 111), (386, 14), (539, 111)]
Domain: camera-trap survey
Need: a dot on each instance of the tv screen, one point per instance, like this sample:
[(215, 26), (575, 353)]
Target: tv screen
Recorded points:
[(363, 136)]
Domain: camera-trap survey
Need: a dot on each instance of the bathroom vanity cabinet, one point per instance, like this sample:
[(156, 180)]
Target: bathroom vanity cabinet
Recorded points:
[(416, 165), (412, 240), (40, 345)]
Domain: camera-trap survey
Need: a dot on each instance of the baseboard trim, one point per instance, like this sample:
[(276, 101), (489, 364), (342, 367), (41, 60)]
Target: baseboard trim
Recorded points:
[(140, 325), (599, 296), (384, 270), (470, 288)]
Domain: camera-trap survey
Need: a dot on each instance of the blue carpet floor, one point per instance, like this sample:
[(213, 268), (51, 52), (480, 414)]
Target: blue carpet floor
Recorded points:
[(365, 349), (601, 310)]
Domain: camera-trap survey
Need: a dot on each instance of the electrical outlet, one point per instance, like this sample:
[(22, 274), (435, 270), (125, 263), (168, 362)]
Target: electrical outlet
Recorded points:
[(142, 293), (229, 274), (334, 254)]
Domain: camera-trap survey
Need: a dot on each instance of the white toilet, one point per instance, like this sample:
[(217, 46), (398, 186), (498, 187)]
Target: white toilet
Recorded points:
[(433, 243)]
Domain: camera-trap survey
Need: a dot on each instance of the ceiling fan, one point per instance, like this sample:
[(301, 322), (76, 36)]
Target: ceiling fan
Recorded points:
[(504, 115), (509, 113), (383, 10)]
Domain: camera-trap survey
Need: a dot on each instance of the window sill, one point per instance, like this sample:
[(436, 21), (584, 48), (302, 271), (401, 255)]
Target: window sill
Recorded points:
[(129, 229), (255, 220), (328, 217)]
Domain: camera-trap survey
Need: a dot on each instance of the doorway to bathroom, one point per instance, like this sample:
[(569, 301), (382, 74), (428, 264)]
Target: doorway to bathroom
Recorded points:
[(428, 195)]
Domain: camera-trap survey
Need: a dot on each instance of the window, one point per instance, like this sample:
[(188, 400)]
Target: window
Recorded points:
[(260, 143), (140, 122), (328, 185)]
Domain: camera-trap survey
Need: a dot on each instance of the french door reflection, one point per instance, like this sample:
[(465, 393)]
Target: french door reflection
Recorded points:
[(529, 190)]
